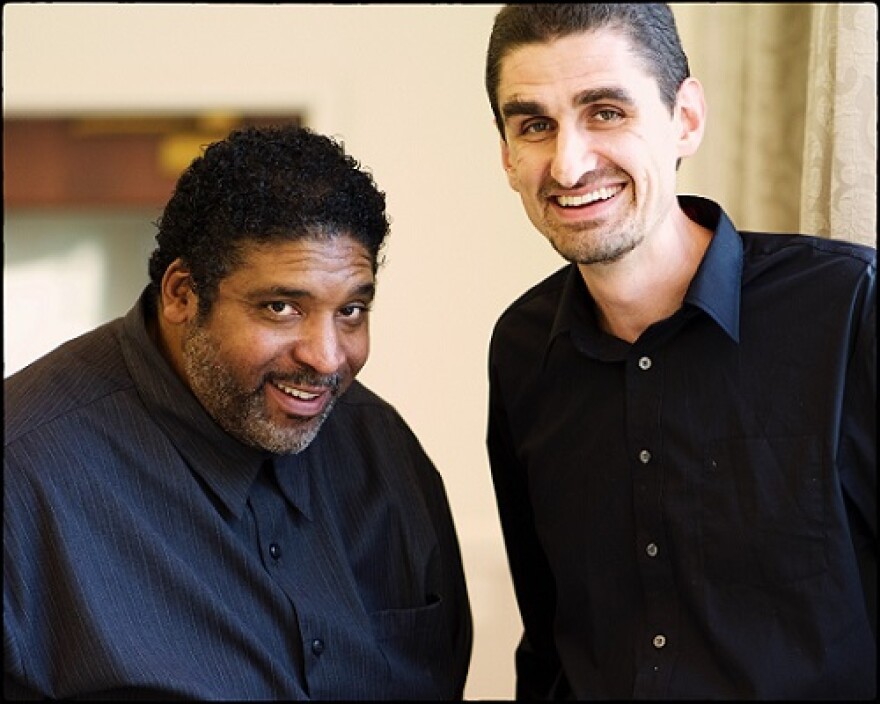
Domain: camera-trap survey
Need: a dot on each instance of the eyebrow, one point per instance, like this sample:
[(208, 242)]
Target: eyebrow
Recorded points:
[(596, 95), (367, 291), (515, 106)]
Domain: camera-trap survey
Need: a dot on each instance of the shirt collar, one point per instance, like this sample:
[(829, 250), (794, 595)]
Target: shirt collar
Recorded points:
[(715, 288), (294, 473), (717, 285), (227, 466)]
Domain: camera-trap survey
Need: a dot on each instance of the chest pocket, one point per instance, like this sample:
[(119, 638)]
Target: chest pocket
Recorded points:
[(418, 649), (763, 510)]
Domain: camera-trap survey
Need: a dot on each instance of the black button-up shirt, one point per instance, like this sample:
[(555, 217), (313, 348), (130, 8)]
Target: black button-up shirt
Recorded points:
[(694, 514), (147, 553)]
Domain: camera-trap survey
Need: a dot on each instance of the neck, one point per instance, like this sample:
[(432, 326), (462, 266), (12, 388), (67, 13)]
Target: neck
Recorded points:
[(648, 284)]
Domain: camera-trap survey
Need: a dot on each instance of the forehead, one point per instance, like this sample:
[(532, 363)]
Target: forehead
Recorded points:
[(337, 260), (570, 64)]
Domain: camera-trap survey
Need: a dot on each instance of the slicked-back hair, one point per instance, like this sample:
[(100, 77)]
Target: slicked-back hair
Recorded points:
[(262, 185), (650, 28)]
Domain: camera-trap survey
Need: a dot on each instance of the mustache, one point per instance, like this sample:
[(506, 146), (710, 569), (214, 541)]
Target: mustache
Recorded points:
[(306, 378), (587, 180)]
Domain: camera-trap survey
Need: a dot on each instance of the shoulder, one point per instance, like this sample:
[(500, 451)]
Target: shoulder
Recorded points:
[(360, 396), (369, 437), (829, 277), (73, 376), (365, 408), (522, 331), (808, 251), (537, 306), (363, 415)]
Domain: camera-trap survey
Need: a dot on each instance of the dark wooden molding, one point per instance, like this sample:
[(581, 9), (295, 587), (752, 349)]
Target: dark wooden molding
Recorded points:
[(107, 161)]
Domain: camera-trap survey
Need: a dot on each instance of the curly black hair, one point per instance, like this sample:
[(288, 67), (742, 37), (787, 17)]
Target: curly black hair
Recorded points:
[(264, 184)]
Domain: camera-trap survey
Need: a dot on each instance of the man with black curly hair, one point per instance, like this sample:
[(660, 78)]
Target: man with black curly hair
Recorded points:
[(201, 502)]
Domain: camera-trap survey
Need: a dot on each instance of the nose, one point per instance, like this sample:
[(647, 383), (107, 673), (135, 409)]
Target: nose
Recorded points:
[(320, 347), (575, 155)]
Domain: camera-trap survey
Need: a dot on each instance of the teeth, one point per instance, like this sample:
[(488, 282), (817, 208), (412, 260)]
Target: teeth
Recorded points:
[(296, 393), (591, 197)]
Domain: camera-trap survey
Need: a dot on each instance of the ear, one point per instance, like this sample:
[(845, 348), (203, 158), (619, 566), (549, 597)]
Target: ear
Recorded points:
[(178, 302), (508, 166), (690, 107)]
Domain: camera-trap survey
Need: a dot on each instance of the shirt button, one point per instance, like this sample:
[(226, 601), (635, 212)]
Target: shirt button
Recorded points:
[(317, 646), (275, 550), (659, 641), (645, 363), (644, 456), (651, 549)]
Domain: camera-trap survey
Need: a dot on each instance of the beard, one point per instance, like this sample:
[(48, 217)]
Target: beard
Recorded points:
[(242, 411), (597, 240), (591, 244)]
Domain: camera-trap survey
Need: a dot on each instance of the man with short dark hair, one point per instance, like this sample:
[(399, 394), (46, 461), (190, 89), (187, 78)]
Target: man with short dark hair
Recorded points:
[(682, 423)]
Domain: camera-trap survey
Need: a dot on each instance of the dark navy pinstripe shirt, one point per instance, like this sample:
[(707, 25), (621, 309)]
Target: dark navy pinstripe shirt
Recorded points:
[(148, 554)]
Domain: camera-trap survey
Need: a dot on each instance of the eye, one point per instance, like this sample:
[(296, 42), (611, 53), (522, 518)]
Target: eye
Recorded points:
[(535, 128), (281, 308), (608, 115), (354, 312)]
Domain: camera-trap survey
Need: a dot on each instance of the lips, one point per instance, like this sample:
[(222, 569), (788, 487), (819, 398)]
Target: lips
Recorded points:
[(302, 401), (598, 194)]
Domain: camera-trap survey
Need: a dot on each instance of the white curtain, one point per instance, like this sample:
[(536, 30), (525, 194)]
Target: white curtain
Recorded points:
[(839, 180), (791, 141)]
